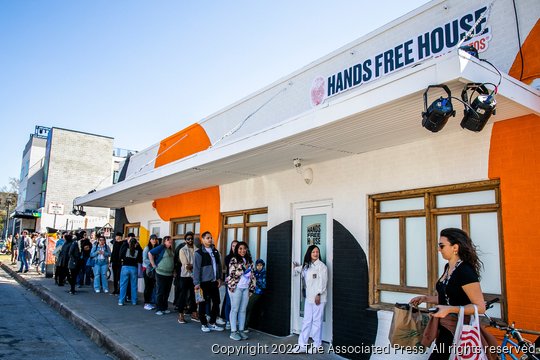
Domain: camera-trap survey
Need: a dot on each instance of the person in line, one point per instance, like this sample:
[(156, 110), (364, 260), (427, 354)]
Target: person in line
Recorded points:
[(100, 253), (458, 286), (74, 264), (41, 253), (14, 249), (116, 262), (240, 286), (207, 277), (177, 271), (314, 275), (187, 293), (31, 252), (260, 284), (85, 271), (162, 259), (131, 257), (23, 245), (60, 251), (226, 306), (149, 274)]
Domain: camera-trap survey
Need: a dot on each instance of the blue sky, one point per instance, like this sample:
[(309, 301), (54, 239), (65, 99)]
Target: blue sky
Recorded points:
[(141, 70)]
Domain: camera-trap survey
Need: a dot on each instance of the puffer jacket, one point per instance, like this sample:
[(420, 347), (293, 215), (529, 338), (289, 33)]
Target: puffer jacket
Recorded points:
[(236, 271)]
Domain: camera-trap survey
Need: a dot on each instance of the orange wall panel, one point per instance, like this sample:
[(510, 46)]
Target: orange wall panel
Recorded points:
[(531, 57), (514, 158), (184, 143), (203, 203)]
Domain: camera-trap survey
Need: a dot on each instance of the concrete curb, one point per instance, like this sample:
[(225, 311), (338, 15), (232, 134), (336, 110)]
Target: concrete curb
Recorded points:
[(96, 334)]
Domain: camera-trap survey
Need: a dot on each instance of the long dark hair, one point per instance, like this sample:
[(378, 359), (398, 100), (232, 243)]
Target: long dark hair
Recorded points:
[(467, 250), (231, 251), (132, 246), (307, 256), (247, 256)]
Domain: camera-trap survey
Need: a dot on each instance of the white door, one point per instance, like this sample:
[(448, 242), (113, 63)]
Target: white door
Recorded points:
[(312, 224)]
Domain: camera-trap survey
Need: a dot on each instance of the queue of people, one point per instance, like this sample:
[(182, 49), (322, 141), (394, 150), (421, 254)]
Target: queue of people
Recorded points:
[(196, 272)]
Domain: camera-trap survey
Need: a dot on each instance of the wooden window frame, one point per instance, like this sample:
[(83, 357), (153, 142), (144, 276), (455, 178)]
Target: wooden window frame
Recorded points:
[(184, 220), (245, 225), (132, 225), (430, 212)]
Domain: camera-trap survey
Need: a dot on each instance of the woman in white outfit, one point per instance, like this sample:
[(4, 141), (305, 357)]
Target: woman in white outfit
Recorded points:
[(314, 281)]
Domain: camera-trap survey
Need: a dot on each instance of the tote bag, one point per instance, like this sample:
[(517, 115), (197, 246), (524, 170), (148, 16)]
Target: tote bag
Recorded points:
[(408, 325), (467, 344)]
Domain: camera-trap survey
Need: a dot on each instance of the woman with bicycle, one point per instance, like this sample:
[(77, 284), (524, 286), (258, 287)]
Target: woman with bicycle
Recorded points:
[(458, 286)]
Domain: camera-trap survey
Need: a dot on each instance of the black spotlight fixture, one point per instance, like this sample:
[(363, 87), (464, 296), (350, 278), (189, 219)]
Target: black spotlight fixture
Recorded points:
[(478, 111), (78, 210), (437, 114)]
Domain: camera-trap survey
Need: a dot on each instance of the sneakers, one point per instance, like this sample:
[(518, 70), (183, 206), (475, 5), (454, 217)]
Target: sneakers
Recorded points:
[(120, 304), (220, 321), (167, 311), (105, 291), (148, 307), (235, 335), (243, 335), (159, 312), (228, 325), (97, 291), (205, 328), (181, 319), (195, 317), (214, 327)]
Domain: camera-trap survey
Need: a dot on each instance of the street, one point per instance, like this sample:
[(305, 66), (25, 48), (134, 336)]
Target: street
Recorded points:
[(30, 329)]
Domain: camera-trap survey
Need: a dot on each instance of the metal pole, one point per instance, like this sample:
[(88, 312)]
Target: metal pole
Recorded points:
[(54, 223)]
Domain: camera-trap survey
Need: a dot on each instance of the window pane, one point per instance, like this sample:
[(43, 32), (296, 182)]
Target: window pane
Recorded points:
[(197, 228), (258, 218), (155, 231), (235, 219), (402, 205), (443, 222), (240, 234), (466, 199), (392, 297), (189, 227), (179, 229), (264, 243), (485, 234), (230, 238), (253, 242), (416, 252), (390, 251)]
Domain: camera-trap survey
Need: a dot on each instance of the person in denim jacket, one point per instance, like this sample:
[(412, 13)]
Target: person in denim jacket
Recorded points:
[(100, 253)]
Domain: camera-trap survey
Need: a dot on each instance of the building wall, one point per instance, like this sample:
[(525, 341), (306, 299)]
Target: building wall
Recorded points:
[(78, 163), (31, 174)]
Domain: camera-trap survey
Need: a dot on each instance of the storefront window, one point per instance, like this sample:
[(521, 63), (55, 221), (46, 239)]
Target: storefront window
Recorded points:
[(404, 233), (179, 227), (249, 226)]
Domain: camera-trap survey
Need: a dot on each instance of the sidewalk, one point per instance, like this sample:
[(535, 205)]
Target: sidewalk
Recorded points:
[(130, 332)]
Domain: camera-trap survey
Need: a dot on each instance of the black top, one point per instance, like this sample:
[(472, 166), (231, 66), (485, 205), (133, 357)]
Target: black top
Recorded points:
[(127, 258), (86, 247), (463, 274), (115, 254)]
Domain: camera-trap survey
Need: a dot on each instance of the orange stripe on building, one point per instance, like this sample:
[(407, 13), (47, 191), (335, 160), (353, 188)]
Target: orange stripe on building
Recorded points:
[(531, 56), (204, 203), (514, 158)]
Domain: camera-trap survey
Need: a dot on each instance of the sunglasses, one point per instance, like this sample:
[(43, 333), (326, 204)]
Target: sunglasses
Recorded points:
[(189, 239)]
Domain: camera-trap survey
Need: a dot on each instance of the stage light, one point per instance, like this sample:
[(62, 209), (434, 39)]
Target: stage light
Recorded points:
[(478, 111), (437, 114)]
